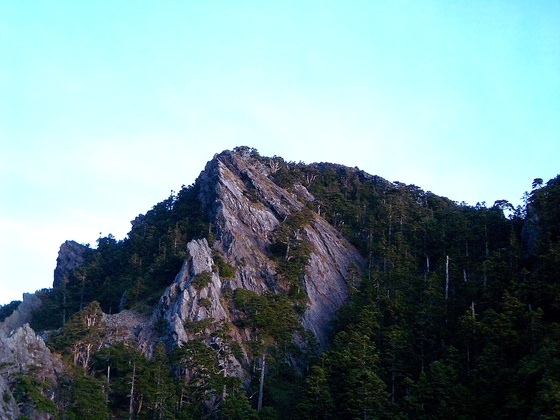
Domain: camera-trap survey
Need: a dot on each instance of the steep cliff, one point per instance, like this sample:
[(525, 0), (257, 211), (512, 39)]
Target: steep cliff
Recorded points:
[(70, 256), (24, 357), (247, 208), (23, 314), (25, 361)]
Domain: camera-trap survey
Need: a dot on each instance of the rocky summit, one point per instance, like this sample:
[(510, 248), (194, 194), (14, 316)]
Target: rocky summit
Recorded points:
[(247, 208)]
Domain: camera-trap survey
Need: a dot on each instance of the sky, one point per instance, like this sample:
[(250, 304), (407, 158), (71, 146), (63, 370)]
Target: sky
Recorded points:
[(107, 106)]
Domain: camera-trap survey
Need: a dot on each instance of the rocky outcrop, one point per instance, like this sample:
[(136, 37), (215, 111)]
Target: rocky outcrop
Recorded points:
[(187, 302), (22, 315), (334, 268), (70, 256), (22, 352), (24, 349), (193, 306), (531, 230), (8, 405), (130, 327), (246, 207)]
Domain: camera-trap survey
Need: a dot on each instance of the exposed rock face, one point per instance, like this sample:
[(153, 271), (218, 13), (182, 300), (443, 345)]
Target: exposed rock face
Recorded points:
[(23, 352), (334, 266), (8, 406), (246, 207), (184, 302), (190, 301), (531, 230), (130, 327), (25, 349), (70, 256), (22, 315)]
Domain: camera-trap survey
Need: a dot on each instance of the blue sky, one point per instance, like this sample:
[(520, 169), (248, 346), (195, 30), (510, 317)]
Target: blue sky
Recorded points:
[(105, 107)]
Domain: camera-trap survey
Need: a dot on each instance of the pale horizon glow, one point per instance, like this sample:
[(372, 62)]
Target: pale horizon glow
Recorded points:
[(108, 106)]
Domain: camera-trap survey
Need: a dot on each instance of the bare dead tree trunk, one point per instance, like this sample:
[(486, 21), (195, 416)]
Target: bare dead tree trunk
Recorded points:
[(131, 404), (261, 384), (447, 277), (87, 355), (82, 277), (108, 380), (181, 399)]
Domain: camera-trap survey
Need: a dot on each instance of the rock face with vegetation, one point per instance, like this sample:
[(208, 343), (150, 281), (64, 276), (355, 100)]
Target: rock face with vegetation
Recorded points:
[(264, 240), (28, 369), (70, 256), (273, 289), (28, 374), (22, 314)]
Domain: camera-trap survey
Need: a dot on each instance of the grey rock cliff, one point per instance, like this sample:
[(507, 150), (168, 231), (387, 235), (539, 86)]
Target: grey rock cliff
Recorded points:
[(23, 314), (184, 302), (334, 268), (246, 206), (70, 256), (531, 230), (22, 352)]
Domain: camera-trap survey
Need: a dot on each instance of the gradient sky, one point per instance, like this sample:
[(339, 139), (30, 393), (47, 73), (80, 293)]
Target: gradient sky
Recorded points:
[(107, 106)]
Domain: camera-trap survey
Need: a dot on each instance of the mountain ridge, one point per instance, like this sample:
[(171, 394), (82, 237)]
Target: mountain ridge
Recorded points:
[(265, 275)]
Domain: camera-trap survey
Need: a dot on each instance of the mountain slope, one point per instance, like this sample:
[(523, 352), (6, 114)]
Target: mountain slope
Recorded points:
[(310, 291)]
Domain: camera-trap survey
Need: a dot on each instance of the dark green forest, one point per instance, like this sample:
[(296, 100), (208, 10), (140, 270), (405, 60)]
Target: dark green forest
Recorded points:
[(457, 314)]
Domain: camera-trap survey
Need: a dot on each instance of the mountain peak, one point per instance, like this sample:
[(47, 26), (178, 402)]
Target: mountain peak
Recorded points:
[(252, 219)]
